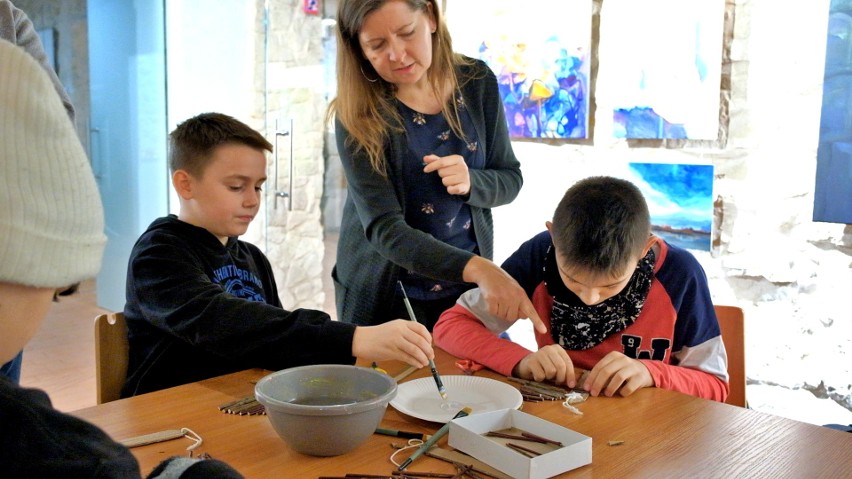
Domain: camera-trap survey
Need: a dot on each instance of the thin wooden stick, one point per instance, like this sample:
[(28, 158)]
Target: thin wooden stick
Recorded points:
[(523, 450), (404, 374), (420, 474), (539, 438), (519, 438)]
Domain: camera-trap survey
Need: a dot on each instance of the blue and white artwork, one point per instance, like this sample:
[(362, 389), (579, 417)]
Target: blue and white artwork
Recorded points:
[(539, 52), (680, 200), (833, 189), (662, 62)]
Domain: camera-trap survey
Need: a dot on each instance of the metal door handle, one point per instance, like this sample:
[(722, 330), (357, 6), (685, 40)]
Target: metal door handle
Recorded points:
[(276, 192), (95, 152)]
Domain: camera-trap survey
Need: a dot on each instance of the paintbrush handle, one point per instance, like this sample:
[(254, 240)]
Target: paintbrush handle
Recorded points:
[(441, 389), (408, 307), (407, 302)]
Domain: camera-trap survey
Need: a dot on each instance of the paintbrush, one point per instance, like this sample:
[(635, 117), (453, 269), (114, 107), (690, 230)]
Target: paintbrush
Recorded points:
[(432, 440), (441, 389)]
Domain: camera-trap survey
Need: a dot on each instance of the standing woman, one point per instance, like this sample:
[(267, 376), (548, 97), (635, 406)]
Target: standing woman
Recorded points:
[(424, 144)]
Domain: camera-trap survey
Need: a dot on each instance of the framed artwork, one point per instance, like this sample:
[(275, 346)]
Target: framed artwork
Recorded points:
[(539, 52), (833, 189), (680, 200), (663, 71)]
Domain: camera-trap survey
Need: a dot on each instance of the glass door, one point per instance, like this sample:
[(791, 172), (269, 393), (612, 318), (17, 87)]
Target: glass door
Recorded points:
[(127, 128)]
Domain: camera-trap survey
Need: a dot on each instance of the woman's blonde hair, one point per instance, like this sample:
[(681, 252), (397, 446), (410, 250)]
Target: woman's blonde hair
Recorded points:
[(365, 102)]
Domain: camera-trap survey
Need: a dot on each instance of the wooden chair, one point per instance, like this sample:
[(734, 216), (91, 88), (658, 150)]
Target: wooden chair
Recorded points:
[(731, 322), (111, 356)]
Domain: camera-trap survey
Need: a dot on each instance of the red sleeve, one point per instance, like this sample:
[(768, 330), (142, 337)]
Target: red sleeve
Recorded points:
[(686, 380), (459, 333)]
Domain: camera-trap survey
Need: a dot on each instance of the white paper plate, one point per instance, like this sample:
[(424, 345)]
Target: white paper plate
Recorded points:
[(419, 397)]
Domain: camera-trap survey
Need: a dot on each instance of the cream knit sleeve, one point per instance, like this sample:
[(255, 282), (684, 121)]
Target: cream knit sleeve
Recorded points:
[(51, 218)]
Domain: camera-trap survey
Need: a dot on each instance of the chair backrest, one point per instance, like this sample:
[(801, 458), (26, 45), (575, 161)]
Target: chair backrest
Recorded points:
[(111, 356), (731, 322)]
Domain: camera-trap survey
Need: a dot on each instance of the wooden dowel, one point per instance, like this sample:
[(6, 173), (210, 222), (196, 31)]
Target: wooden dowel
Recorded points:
[(539, 438), (516, 437), (523, 450)]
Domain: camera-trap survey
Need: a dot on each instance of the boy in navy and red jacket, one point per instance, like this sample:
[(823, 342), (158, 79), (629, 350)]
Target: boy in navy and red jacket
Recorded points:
[(618, 301)]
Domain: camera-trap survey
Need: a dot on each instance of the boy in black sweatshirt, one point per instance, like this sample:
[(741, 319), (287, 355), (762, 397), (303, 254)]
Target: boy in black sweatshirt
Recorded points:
[(202, 303)]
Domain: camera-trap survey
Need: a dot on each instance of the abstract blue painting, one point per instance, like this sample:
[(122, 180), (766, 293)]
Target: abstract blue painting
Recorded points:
[(539, 52), (661, 63), (680, 200), (833, 190)]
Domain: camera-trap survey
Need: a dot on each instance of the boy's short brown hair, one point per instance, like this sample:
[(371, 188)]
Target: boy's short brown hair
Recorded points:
[(191, 144), (601, 224)]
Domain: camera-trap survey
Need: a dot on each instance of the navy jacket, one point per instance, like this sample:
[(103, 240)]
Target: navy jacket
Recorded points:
[(197, 308)]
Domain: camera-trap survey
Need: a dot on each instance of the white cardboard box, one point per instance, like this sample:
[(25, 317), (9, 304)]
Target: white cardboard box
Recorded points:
[(466, 435)]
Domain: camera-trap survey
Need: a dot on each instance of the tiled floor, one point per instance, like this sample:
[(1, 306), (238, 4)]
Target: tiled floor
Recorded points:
[(61, 357)]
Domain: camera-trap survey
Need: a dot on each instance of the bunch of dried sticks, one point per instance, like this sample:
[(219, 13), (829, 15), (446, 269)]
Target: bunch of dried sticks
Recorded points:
[(536, 392), (244, 407)]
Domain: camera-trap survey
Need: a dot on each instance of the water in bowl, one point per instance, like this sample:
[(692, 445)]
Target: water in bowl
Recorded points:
[(323, 401)]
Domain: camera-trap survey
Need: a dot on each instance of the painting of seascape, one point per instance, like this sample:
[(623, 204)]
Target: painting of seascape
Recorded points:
[(680, 200), (540, 54), (663, 70)]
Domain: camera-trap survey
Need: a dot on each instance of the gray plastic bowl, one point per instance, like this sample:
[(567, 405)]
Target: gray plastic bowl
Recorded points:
[(325, 409)]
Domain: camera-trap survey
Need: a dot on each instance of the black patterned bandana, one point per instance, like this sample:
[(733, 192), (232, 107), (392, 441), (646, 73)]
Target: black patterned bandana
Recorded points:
[(576, 326)]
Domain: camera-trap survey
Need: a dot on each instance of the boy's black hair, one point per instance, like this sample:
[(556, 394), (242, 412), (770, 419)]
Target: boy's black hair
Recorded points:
[(191, 144), (601, 224)]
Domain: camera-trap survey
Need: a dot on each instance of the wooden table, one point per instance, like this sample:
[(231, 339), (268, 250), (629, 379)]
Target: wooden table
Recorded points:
[(665, 434)]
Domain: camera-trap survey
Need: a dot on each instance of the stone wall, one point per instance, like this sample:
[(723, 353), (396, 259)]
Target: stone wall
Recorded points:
[(295, 86)]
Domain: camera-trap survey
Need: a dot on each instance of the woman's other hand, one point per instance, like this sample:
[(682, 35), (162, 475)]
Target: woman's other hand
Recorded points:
[(453, 172)]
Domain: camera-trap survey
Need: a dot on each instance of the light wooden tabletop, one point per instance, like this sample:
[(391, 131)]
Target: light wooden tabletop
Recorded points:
[(665, 434)]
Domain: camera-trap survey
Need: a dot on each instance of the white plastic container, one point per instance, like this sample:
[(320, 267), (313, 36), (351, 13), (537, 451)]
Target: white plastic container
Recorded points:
[(467, 435)]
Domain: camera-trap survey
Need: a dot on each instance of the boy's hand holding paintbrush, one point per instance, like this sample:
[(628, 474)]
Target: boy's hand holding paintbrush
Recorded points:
[(395, 340)]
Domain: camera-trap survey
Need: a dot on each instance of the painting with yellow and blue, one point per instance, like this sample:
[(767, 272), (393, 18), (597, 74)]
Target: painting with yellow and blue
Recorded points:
[(540, 54), (680, 200)]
